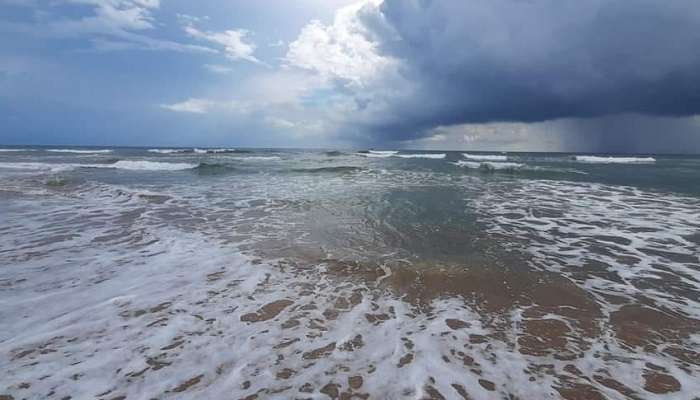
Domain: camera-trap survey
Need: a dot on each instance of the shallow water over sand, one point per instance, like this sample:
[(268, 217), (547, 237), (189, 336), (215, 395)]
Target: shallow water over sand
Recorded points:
[(334, 274)]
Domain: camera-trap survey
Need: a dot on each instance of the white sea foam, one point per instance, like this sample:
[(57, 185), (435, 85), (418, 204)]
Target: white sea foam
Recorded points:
[(134, 165), (169, 151), (80, 151), (122, 308), (490, 166), (37, 166), (385, 154), (14, 150), (127, 289), (378, 153), (432, 156), (106, 291), (141, 165), (213, 151), (195, 150), (372, 155), (484, 157), (643, 234), (614, 160)]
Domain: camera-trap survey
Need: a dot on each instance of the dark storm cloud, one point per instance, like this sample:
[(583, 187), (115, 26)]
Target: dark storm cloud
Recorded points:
[(534, 60)]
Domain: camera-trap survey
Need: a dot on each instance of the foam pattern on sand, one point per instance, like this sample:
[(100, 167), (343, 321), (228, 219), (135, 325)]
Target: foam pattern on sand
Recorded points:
[(617, 235), (112, 291)]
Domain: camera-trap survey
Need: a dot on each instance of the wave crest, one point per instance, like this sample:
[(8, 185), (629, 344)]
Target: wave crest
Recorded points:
[(79, 151), (484, 157), (614, 160), (431, 156), (140, 165), (490, 166)]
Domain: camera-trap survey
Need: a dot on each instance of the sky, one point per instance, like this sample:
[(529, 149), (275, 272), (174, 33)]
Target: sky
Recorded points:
[(616, 76)]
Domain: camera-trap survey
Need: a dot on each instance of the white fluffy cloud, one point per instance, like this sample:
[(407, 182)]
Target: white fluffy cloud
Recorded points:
[(233, 41), (196, 106), (202, 106), (119, 14), (110, 25), (341, 50)]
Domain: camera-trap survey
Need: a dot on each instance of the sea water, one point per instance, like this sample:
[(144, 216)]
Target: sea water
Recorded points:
[(235, 273)]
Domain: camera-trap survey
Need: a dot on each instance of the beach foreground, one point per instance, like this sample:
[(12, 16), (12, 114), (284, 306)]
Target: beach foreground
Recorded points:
[(182, 273)]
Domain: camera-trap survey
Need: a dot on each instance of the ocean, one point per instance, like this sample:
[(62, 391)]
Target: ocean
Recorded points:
[(139, 273)]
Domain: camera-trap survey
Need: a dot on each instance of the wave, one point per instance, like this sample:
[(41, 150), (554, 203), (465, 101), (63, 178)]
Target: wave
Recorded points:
[(139, 165), (14, 150), (196, 151), (373, 155), (377, 153), (385, 154), (333, 153), (215, 151), (76, 151), (433, 156), (170, 151), (484, 157), (614, 160), (132, 165), (490, 166), (37, 166)]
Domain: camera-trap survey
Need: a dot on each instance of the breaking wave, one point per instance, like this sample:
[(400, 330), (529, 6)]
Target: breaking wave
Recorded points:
[(392, 153), (490, 166), (36, 166), (196, 151), (484, 157), (170, 151), (148, 165), (121, 164), (433, 156), (614, 160), (78, 151), (215, 151)]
